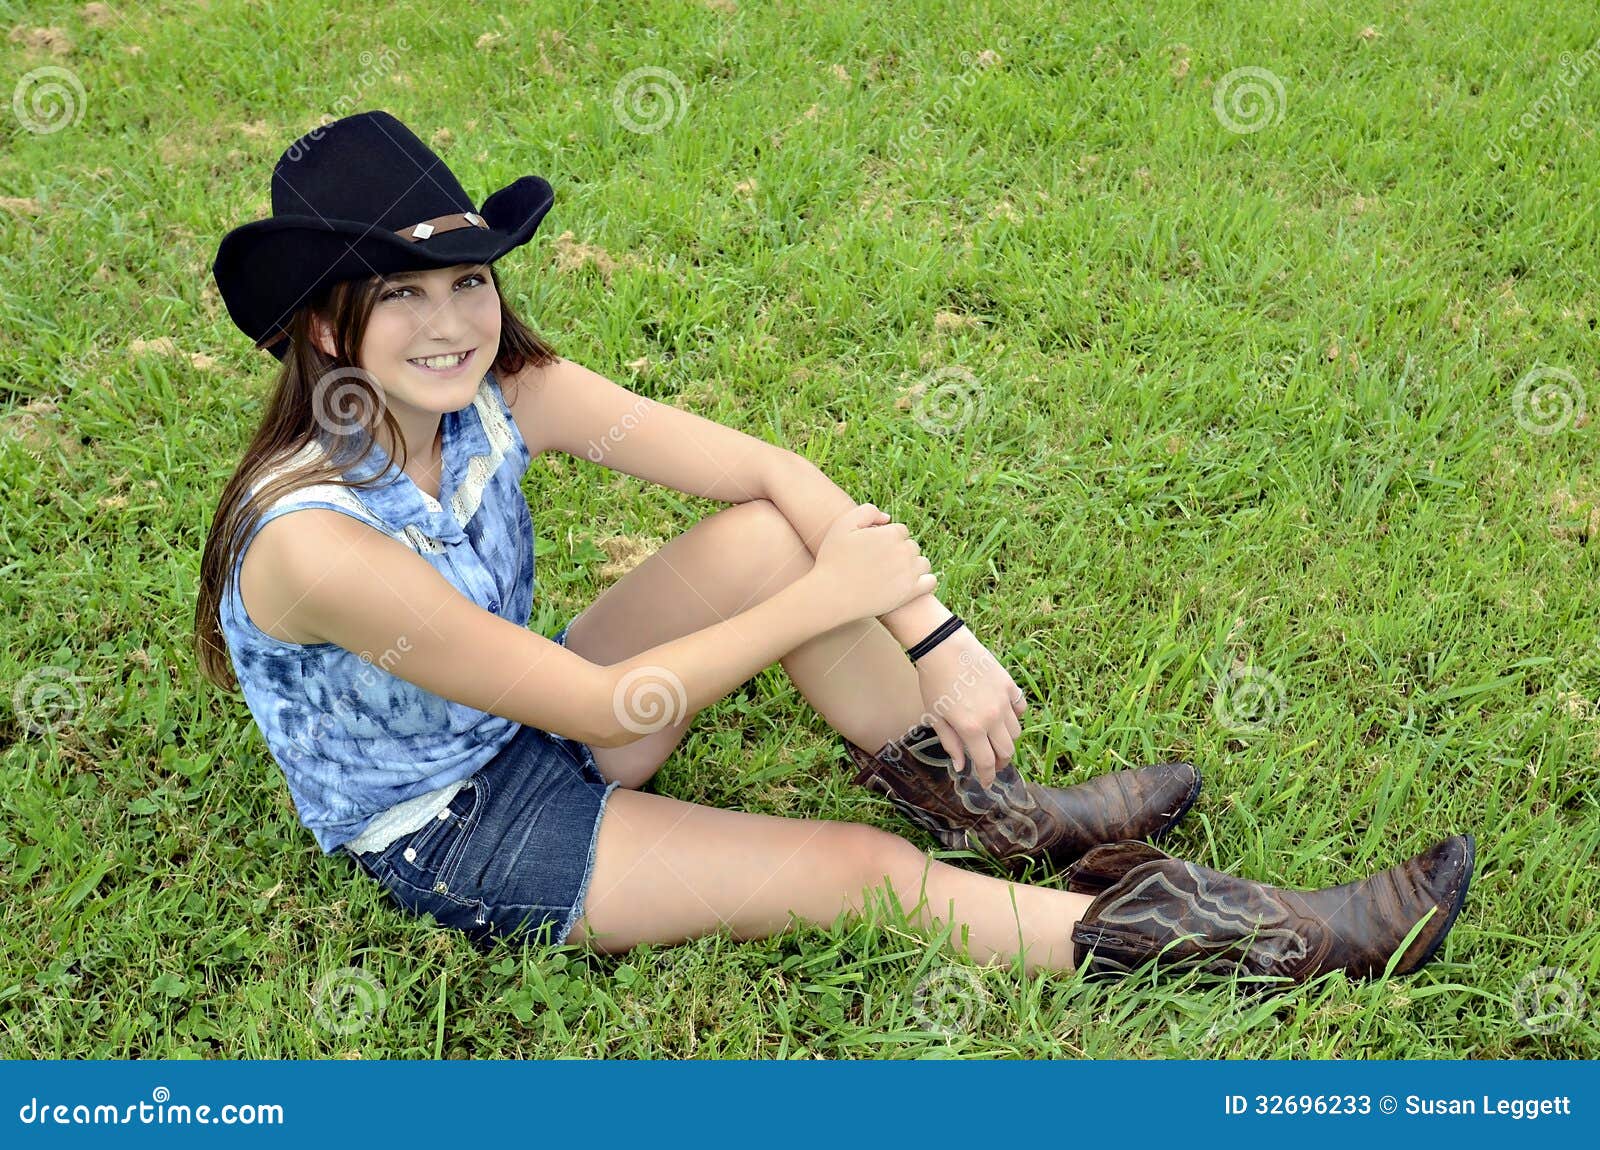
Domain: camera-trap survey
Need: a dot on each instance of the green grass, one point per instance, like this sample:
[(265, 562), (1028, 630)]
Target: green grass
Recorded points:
[(1247, 402)]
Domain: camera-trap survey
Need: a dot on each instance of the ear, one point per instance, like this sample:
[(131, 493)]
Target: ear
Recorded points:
[(322, 334)]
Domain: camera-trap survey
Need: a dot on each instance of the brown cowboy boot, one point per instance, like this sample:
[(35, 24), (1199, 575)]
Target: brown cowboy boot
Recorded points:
[(1015, 820), (1150, 906)]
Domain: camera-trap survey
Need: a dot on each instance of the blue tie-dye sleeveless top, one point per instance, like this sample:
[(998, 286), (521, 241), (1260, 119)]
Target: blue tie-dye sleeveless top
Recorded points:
[(352, 738)]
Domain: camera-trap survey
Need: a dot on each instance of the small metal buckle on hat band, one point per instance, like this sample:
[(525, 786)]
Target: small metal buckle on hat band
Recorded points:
[(439, 224)]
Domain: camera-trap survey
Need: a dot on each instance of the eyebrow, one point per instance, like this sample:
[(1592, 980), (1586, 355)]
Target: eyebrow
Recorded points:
[(413, 275)]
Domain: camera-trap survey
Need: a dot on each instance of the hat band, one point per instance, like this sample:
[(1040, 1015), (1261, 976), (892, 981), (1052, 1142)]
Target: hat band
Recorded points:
[(439, 224), (415, 233)]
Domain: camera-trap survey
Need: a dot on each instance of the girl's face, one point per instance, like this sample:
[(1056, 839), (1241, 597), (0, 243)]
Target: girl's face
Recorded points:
[(433, 314)]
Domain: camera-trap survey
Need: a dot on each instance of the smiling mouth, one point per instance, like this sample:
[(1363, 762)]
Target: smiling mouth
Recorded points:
[(443, 362)]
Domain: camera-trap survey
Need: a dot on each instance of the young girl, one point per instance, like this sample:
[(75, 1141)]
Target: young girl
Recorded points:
[(491, 778)]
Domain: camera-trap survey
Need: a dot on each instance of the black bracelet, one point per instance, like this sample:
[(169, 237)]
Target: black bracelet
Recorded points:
[(938, 635)]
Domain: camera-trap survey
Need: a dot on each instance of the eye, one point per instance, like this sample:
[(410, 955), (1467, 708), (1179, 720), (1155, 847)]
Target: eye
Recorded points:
[(395, 293)]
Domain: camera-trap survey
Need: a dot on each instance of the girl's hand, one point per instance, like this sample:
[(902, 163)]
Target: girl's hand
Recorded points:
[(971, 703), (867, 566)]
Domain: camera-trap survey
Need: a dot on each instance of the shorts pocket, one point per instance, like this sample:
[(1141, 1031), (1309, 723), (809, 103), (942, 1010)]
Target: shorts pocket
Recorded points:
[(426, 860)]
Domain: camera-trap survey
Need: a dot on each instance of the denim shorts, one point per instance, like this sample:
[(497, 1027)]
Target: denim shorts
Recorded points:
[(515, 853)]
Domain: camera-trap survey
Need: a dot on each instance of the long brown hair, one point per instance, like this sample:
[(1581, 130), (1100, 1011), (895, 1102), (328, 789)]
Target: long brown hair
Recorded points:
[(296, 416)]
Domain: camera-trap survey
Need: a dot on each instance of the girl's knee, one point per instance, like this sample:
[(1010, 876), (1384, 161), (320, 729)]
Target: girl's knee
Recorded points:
[(770, 534), (873, 856)]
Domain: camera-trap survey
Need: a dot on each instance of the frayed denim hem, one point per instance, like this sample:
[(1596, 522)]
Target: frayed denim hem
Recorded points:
[(588, 867), (594, 838)]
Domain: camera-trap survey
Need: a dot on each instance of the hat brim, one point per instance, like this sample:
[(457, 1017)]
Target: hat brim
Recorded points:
[(268, 269)]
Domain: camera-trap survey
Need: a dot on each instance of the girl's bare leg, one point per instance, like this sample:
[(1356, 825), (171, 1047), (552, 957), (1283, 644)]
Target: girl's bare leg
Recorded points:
[(666, 871), (856, 676)]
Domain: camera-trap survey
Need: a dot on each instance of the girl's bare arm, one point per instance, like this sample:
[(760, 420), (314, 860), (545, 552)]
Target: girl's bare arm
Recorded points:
[(350, 585)]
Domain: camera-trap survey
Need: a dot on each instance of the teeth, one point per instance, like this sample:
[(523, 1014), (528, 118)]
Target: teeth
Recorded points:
[(441, 361)]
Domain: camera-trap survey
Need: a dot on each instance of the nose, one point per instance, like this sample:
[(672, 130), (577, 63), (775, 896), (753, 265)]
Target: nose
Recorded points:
[(441, 325)]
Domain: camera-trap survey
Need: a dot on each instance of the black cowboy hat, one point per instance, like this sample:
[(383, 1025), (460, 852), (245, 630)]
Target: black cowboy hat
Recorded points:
[(358, 197)]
